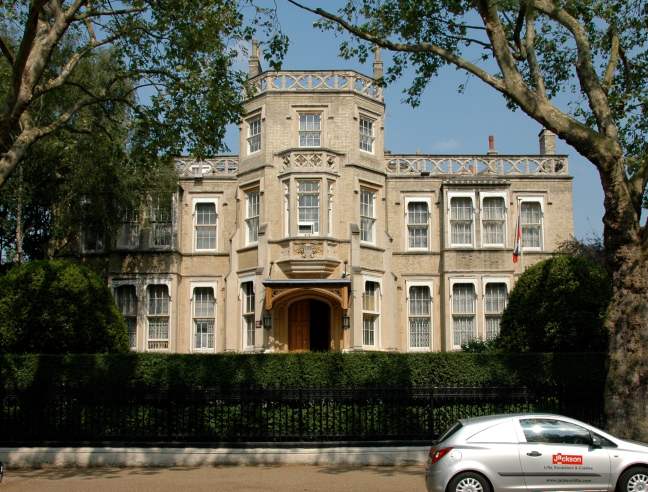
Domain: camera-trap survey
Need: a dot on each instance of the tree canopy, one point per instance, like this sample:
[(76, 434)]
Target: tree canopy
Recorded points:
[(58, 307), (173, 67), (557, 305)]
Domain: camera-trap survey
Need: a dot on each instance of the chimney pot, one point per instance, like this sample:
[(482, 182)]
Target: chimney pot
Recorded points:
[(547, 140), (254, 62), (491, 145)]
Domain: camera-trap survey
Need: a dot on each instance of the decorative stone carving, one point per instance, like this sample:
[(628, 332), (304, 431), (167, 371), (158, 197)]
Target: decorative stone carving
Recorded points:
[(308, 250)]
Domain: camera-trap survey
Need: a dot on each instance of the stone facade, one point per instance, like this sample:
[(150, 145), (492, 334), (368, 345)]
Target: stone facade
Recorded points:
[(315, 238)]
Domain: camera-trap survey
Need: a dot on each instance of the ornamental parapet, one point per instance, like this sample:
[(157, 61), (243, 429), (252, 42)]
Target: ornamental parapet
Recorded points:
[(188, 167), (316, 81), (308, 160), (477, 165)]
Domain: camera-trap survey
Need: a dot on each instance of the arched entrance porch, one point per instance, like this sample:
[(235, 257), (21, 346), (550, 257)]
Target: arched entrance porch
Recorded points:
[(307, 314)]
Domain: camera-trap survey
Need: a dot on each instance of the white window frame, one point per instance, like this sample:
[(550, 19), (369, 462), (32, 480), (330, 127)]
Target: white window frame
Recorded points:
[(533, 199), (372, 219), (375, 314), (475, 284), (252, 136), (286, 204), (330, 200), (124, 283), (460, 194), (430, 285), (249, 219), (300, 223), (245, 315), (418, 199), (192, 335), (194, 203), (300, 131), (493, 280), (491, 194), (372, 137), (167, 283)]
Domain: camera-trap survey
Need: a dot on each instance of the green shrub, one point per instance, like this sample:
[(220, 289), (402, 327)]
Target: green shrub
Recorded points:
[(557, 305), (107, 372), (58, 307)]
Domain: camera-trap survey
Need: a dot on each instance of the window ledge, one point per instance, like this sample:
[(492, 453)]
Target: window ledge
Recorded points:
[(371, 246), (248, 247)]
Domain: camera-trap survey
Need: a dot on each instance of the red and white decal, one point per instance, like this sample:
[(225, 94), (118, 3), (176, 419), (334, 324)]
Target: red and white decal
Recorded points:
[(567, 459)]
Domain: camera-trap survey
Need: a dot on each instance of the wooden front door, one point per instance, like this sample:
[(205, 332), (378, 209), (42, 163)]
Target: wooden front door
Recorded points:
[(299, 326)]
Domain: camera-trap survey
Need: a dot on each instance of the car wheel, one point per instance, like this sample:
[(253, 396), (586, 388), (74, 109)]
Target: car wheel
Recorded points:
[(634, 480), (469, 482)]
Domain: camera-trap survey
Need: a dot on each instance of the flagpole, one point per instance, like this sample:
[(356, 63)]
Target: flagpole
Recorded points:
[(520, 225)]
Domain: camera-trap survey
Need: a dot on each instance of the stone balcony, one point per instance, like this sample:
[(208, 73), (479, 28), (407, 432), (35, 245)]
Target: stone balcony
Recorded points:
[(308, 257), (309, 160), (316, 81)]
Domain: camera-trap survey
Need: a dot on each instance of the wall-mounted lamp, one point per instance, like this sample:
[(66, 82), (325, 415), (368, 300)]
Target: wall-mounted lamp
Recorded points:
[(346, 321), (267, 320)]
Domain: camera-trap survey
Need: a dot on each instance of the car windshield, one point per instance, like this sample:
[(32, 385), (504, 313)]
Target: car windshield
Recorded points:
[(450, 431)]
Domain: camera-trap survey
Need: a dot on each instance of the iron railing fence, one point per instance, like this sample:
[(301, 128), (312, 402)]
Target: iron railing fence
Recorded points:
[(69, 415)]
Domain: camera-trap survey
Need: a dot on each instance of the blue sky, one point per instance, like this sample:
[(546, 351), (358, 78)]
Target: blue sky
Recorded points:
[(446, 122)]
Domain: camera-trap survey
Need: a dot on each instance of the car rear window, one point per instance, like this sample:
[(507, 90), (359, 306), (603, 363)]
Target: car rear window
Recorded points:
[(452, 430)]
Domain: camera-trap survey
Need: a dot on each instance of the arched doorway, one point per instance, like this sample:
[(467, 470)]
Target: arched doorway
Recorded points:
[(309, 326)]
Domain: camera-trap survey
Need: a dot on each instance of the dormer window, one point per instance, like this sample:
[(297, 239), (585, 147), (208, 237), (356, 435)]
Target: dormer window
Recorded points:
[(310, 129)]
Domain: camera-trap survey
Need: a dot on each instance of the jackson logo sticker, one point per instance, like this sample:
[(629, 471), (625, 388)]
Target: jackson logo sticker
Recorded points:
[(567, 459)]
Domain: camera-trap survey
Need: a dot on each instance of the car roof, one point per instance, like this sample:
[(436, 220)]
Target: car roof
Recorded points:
[(503, 416)]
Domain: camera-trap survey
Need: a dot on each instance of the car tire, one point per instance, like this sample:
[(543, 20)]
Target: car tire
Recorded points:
[(469, 482), (633, 479)]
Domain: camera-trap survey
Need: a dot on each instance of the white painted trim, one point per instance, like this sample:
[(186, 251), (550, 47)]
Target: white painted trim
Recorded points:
[(374, 200), (462, 280), (158, 281), (430, 285), (243, 279), (194, 284), (246, 204), (418, 199), (537, 199), (493, 194), (377, 332), (195, 201), (459, 194)]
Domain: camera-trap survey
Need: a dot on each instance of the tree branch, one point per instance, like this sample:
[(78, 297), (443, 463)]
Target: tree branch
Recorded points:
[(529, 45), (6, 51), (613, 62), (423, 47), (584, 67)]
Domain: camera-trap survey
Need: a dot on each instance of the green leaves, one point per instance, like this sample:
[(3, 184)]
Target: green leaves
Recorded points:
[(58, 307)]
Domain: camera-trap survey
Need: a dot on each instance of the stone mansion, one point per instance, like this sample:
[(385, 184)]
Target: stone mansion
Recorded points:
[(316, 238)]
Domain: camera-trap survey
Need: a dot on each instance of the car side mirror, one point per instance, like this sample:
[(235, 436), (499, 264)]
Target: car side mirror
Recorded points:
[(593, 443)]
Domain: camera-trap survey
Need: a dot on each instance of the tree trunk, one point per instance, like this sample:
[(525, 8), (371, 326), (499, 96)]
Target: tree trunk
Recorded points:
[(626, 392)]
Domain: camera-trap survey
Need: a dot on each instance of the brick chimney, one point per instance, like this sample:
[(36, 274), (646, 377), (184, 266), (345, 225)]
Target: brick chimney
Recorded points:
[(254, 63), (378, 64), (547, 142), (491, 145)]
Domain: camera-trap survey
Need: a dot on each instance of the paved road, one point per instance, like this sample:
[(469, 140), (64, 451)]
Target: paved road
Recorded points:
[(285, 478)]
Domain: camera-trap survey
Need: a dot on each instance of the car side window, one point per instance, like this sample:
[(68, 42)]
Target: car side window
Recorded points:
[(554, 432)]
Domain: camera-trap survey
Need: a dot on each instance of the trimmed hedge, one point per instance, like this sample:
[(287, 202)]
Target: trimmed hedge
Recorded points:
[(303, 370)]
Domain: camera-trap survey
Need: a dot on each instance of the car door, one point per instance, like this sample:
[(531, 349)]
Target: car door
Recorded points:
[(560, 455)]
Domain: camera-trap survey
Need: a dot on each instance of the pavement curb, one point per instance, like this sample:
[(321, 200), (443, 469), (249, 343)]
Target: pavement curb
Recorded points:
[(34, 457)]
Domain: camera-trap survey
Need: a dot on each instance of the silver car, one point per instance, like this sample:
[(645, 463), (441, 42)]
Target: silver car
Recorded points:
[(540, 452)]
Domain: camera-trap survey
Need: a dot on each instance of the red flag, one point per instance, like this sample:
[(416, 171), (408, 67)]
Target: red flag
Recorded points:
[(517, 247)]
